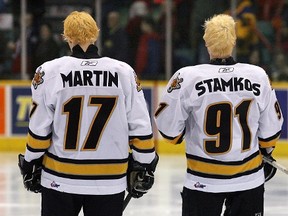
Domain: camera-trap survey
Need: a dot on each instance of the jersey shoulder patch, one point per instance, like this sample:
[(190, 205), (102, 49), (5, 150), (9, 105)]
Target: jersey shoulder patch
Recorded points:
[(38, 78), (137, 81), (175, 84)]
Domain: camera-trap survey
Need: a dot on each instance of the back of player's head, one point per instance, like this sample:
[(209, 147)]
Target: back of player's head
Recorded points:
[(80, 28), (220, 35)]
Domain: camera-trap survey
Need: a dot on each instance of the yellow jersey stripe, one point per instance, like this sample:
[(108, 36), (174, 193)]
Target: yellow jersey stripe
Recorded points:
[(270, 143), (84, 169), (35, 143), (142, 144), (223, 169)]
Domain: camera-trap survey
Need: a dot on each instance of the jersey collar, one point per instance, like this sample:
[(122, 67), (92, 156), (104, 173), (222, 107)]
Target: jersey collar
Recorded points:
[(91, 52), (225, 61)]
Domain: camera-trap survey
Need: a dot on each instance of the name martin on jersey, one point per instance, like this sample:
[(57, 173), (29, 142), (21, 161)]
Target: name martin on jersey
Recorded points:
[(232, 85), (90, 78)]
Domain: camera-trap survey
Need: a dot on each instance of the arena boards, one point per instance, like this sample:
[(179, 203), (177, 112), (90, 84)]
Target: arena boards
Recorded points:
[(15, 100)]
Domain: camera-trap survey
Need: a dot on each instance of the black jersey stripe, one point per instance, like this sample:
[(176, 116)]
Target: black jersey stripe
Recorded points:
[(222, 169), (270, 138), (140, 137), (270, 141), (82, 168), (206, 160), (35, 136), (34, 149), (151, 150), (86, 161), (217, 176), (175, 140), (146, 145)]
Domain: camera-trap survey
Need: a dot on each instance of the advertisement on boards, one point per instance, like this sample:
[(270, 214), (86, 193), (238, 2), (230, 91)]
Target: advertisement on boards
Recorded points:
[(20, 105)]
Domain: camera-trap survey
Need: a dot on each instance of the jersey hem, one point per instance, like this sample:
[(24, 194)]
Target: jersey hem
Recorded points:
[(80, 187)]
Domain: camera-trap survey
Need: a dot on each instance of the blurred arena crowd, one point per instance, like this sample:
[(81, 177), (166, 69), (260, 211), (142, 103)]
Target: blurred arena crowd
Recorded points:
[(134, 31)]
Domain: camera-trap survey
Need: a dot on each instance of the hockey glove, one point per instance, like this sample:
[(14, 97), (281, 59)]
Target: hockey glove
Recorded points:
[(140, 177), (269, 170), (31, 173)]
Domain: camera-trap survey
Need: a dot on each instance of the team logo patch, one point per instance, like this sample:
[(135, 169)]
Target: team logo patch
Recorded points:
[(199, 185), (54, 184), (138, 84), (38, 78), (175, 84)]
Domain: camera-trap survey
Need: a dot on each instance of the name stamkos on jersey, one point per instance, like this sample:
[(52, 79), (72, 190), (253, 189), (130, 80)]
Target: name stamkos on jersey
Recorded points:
[(233, 84)]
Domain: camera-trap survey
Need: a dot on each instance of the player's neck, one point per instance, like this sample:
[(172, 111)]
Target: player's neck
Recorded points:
[(85, 46), (223, 61)]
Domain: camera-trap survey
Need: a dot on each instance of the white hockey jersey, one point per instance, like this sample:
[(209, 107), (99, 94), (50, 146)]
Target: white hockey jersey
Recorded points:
[(85, 113), (225, 113)]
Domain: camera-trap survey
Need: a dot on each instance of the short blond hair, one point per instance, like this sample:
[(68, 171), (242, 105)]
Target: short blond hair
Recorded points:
[(220, 35), (80, 28)]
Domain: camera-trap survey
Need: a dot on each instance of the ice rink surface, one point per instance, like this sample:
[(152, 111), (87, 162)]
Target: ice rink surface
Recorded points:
[(163, 199)]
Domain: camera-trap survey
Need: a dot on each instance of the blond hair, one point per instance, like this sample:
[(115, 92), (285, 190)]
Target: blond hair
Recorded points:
[(220, 35), (80, 28)]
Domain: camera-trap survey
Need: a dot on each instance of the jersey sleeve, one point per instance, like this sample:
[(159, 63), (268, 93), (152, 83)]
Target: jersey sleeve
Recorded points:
[(139, 124), (41, 118), (270, 122), (171, 114)]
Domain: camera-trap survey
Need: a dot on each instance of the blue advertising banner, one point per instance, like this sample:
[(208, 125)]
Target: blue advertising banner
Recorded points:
[(20, 104), (148, 97), (16, 102), (282, 99)]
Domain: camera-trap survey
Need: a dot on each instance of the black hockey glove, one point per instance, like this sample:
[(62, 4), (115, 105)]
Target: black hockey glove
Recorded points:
[(31, 173), (140, 177), (269, 170)]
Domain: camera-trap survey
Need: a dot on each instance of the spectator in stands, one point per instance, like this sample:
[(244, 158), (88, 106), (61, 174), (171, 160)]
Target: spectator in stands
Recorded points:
[(15, 47), (47, 47), (5, 55), (201, 10), (148, 56), (270, 11), (115, 43), (137, 11), (247, 39)]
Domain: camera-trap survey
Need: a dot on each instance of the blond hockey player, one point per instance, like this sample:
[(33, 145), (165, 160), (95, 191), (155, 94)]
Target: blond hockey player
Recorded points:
[(230, 117), (86, 111)]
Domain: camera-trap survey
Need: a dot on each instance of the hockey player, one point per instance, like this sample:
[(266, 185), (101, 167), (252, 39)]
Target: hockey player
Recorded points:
[(86, 111), (230, 117)]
